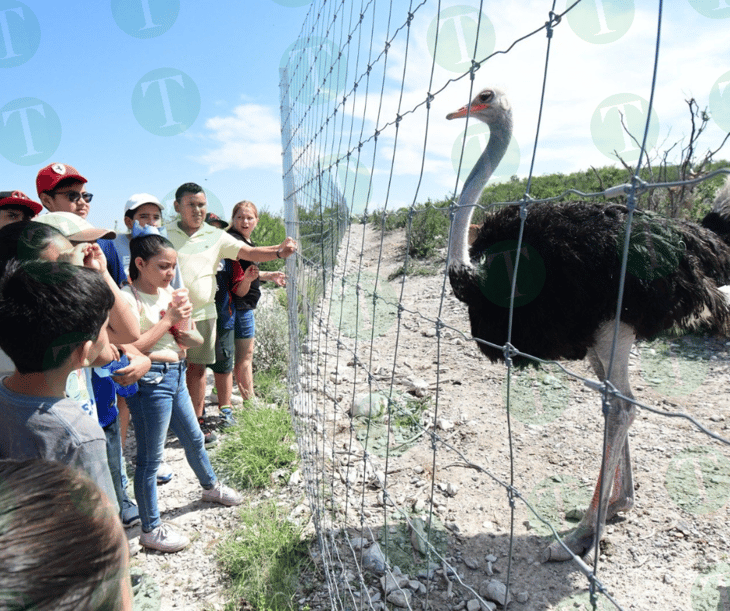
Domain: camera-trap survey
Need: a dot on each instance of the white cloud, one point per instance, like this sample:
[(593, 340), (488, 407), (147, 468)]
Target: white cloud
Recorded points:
[(249, 138)]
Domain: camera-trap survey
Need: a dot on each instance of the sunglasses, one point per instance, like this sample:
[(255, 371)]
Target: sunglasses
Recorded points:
[(75, 196)]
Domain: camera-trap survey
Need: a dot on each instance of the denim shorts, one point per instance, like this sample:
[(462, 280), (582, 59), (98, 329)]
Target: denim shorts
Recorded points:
[(245, 324), (224, 351)]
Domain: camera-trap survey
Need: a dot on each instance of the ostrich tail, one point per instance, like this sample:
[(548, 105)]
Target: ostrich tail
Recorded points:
[(718, 219)]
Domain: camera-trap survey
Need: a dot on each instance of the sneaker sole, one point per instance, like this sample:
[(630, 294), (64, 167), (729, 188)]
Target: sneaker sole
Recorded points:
[(167, 550), (131, 523)]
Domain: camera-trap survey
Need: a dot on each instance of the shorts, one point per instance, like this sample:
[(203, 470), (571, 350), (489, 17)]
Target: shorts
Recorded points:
[(245, 324), (224, 352), (202, 355)]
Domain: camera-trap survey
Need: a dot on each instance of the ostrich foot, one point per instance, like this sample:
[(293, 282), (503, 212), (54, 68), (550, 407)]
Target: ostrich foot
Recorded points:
[(623, 504), (577, 541)]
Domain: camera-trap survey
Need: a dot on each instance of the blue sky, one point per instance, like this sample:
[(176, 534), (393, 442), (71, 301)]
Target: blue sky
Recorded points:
[(110, 88)]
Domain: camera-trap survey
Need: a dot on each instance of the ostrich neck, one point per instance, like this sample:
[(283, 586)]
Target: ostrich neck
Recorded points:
[(499, 137)]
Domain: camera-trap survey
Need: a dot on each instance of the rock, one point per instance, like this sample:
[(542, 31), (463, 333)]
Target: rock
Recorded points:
[(369, 405), (373, 559), (419, 540), (472, 563), (494, 590), (522, 597), (418, 388), (295, 478), (400, 598), (394, 581), (358, 543), (473, 605), (444, 424)]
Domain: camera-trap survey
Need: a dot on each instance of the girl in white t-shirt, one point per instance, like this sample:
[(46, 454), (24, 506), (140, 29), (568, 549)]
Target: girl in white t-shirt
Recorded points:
[(163, 399)]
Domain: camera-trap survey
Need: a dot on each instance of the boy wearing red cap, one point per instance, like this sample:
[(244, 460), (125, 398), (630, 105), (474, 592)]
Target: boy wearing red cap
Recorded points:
[(16, 206), (62, 189)]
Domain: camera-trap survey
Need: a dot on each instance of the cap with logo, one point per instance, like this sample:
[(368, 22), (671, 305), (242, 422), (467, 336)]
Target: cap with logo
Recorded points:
[(54, 173), (18, 198)]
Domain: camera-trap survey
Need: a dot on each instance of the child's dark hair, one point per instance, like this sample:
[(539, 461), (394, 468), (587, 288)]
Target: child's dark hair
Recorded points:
[(52, 564), (48, 309), (24, 240), (188, 187), (145, 246)]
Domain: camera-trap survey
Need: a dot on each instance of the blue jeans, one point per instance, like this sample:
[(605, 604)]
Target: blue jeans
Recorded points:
[(245, 324), (162, 401)]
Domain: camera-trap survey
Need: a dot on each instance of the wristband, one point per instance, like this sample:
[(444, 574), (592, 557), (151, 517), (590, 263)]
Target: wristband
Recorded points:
[(278, 254)]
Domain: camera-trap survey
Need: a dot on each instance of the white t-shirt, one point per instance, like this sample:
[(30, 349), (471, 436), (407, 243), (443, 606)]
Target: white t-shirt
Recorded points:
[(150, 310)]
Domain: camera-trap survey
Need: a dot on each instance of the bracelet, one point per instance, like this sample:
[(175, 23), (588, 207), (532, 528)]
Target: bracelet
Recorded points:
[(278, 254)]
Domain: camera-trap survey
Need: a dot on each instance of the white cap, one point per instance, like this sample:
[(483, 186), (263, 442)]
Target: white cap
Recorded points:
[(140, 199), (74, 227)]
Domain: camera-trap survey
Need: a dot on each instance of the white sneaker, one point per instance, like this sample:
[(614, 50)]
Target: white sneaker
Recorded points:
[(164, 538), (164, 473), (222, 494), (235, 399)]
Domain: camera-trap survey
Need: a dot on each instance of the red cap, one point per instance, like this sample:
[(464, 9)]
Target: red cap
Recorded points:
[(19, 198), (54, 173)]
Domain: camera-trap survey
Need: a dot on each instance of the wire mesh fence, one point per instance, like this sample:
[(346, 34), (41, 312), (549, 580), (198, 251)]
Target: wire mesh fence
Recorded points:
[(435, 478)]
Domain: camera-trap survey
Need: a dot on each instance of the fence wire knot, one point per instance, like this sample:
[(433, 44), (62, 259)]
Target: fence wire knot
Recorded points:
[(551, 23)]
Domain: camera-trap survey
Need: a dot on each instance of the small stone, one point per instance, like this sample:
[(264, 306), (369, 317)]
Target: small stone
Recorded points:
[(494, 590), (373, 559), (522, 597), (444, 424), (472, 563), (576, 513), (473, 605), (358, 543), (400, 598), (419, 388)]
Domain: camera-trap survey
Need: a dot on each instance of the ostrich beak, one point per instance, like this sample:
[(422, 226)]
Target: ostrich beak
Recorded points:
[(464, 110)]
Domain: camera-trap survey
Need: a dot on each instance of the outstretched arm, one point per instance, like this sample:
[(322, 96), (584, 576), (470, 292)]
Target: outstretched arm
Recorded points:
[(259, 254)]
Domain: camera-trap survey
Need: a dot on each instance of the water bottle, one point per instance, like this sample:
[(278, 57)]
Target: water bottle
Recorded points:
[(180, 296), (122, 391)]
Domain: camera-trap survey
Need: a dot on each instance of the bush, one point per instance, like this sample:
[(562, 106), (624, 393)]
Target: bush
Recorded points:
[(257, 445), (270, 230), (429, 231), (264, 559), (272, 336)]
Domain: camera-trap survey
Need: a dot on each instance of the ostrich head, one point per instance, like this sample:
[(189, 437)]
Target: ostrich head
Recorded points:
[(492, 107), (489, 105)]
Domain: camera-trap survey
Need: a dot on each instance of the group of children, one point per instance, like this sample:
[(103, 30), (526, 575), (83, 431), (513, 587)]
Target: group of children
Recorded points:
[(75, 299)]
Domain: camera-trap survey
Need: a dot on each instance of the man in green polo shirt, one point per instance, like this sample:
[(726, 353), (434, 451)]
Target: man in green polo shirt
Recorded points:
[(200, 248)]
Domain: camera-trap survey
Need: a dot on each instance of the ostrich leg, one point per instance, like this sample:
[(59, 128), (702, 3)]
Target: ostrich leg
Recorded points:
[(618, 493)]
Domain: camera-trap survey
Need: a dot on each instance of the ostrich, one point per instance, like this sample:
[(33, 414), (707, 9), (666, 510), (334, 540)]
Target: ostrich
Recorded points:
[(566, 294)]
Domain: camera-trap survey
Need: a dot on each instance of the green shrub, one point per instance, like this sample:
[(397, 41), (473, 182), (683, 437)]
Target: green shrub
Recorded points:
[(271, 350), (429, 230), (257, 445), (270, 230), (264, 558)]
